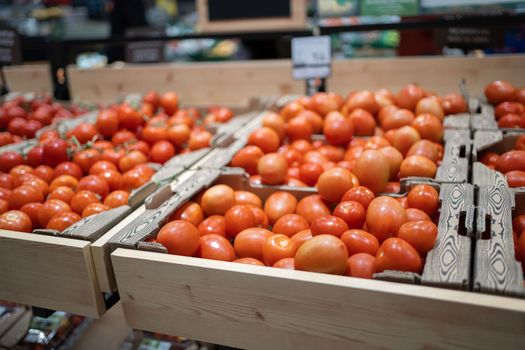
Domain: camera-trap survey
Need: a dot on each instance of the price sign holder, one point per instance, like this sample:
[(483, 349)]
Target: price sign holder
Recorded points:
[(312, 61)]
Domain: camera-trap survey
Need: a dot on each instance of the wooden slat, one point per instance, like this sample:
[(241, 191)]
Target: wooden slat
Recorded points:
[(264, 308), (50, 272), (484, 176), (453, 170), (31, 77)]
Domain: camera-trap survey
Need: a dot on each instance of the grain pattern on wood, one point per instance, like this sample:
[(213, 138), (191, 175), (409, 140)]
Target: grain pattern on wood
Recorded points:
[(484, 122), (453, 170), (264, 308), (50, 272), (448, 263), (496, 269), (484, 176), (457, 135), (485, 139), (457, 121), (29, 77)]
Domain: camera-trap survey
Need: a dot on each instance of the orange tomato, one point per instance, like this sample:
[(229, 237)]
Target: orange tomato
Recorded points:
[(63, 180), (384, 217), (217, 200), (430, 104), (247, 158), (328, 225), (414, 214), (94, 208), (249, 242), (420, 234), (62, 221), (238, 218), (311, 207), (31, 210), (266, 139), (515, 178), (397, 254), (215, 247), (245, 197), (189, 211), (277, 247), (511, 160), (337, 129), (323, 253), (300, 237), (417, 166), (130, 160), (23, 195), (82, 199), (45, 172), (425, 198), (249, 261), (279, 204), (50, 208), (290, 224), (298, 128), (63, 193), (409, 96), (333, 183), (429, 127), (500, 91), (179, 237), (286, 263), (361, 265), (395, 158), (15, 220), (272, 168), (363, 122), (373, 170), (425, 149)]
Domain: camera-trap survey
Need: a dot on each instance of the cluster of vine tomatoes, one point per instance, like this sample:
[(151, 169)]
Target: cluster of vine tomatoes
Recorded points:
[(375, 138), (21, 119), (357, 234), (94, 167), (510, 163), (509, 102)]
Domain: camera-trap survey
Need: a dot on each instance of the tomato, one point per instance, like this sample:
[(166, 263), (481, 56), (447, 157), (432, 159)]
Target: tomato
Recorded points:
[(55, 152), (454, 104), (277, 247), (315, 120), (63, 193), (398, 254), (509, 108), (4, 206), (86, 158), (286, 263), (31, 210), (511, 121), (328, 224), (133, 158), (515, 178), (414, 214), (239, 218), (384, 217), (409, 96), (333, 183), (10, 159), (101, 166), (324, 103), (424, 148), (199, 140), (107, 122), (17, 126), (315, 157), (361, 265), (247, 158), (520, 95), (291, 110), (266, 139), (300, 237), (298, 128), (129, 118), (15, 220), (511, 160), (430, 105), (397, 119), (261, 220), (48, 135), (6, 138), (154, 132), (302, 146), (112, 155), (63, 180), (363, 122), (223, 114), (178, 134), (95, 184), (169, 101), (24, 194), (215, 247), (417, 166), (272, 168), (518, 223), (213, 224), (425, 198), (311, 207), (217, 200), (276, 122), (116, 199), (43, 114), (360, 194), (309, 173), (44, 172), (519, 146), (373, 170), (420, 234), (500, 91), (153, 98), (179, 237), (82, 199), (38, 184), (332, 153), (134, 178), (50, 208), (249, 261), (245, 197), (337, 129), (123, 136), (35, 156), (84, 132), (161, 152), (429, 127), (62, 221), (290, 224), (352, 213), (249, 242), (364, 100), (323, 253), (6, 181), (360, 241), (279, 204), (5, 194)]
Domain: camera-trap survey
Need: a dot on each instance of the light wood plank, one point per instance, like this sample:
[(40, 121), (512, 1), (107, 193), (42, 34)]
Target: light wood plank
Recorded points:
[(29, 78), (50, 272), (264, 308)]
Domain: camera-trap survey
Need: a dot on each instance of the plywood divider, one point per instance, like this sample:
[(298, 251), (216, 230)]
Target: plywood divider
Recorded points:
[(29, 78)]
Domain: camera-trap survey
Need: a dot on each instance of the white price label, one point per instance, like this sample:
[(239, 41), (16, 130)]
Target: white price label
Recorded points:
[(311, 57)]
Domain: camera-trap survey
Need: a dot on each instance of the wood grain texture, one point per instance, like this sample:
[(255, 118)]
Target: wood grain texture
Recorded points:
[(458, 135), (29, 77), (457, 121), (452, 170), (484, 122), (496, 270), (264, 308), (448, 263), (484, 176), (485, 139), (50, 272)]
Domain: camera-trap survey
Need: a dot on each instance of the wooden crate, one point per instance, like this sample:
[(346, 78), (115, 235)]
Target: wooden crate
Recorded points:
[(295, 20), (29, 77), (260, 307)]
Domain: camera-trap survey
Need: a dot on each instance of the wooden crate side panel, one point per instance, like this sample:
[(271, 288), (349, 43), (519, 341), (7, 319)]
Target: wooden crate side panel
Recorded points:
[(222, 83), (29, 78), (263, 308), (393, 74), (50, 272)]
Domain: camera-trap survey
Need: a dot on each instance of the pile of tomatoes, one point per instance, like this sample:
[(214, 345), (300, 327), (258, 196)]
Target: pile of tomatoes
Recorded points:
[(94, 167), (21, 119), (354, 233), (518, 229), (378, 136), (511, 163), (509, 102)]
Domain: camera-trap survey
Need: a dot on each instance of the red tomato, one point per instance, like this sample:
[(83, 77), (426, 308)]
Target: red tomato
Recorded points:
[(286, 263), (161, 152), (337, 129), (62, 221), (298, 128), (414, 214), (23, 195), (311, 207), (49, 209), (15, 220), (178, 134), (213, 224), (198, 140), (273, 168), (511, 121), (454, 104), (361, 265), (323, 253), (189, 211), (328, 224), (373, 170), (95, 184), (509, 108), (420, 234), (215, 247), (249, 243), (217, 200), (417, 166), (384, 217), (324, 103), (6, 181), (429, 127), (247, 158), (107, 123), (397, 254), (290, 224), (359, 241), (84, 132), (55, 152), (425, 149), (274, 121), (179, 237), (10, 159), (291, 110), (44, 172), (409, 96), (261, 220), (424, 197), (245, 197), (169, 102), (364, 100), (500, 91), (63, 193), (266, 139), (310, 172), (359, 194), (511, 160), (300, 237), (333, 183), (277, 247), (101, 166), (249, 261), (63, 180), (515, 178), (279, 204), (352, 213), (32, 210), (238, 218), (430, 104)]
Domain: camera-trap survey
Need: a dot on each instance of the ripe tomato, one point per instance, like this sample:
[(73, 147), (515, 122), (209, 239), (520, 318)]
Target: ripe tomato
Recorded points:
[(215, 247), (454, 104), (179, 237), (44, 172), (291, 110), (6, 181), (323, 253), (238, 218), (266, 139), (309, 173), (261, 220), (86, 158), (169, 101), (43, 114), (429, 127), (290, 224), (5, 194), (302, 146), (189, 211), (84, 132), (249, 242), (55, 152), (420, 234), (298, 128), (279, 204), (509, 108), (352, 213), (359, 241), (409, 96), (24, 194), (199, 139), (107, 122), (425, 149), (425, 198), (15, 220), (134, 179), (245, 197), (213, 224), (95, 184), (332, 153), (50, 208), (417, 166), (518, 223), (129, 118), (500, 91), (293, 157), (363, 122), (315, 157), (63, 180), (131, 159), (101, 166), (373, 170), (123, 136), (361, 265), (430, 104), (404, 138), (511, 160), (384, 217), (117, 198), (154, 132), (217, 200), (274, 121), (359, 194), (515, 178), (511, 121), (4, 206), (300, 237), (161, 152), (63, 193), (315, 120), (272, 168), (311, 207), (333, 183), (178, 134), (414, 214), (10, 159), (82, 199), (328, 225), (38, 184), (397, 254), (62, 221), (396, 119), (337, 129), (247, 158), (31, 210), (364, 100), (277, 247), (249, 261), (17, 126), (35, 156), (286, 263)]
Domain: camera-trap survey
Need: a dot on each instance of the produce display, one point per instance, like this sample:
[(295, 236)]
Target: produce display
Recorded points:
[(372, 139), (356, 234), (518, 227), (21, 118), (509, 103), (510, 163), (94, 167)]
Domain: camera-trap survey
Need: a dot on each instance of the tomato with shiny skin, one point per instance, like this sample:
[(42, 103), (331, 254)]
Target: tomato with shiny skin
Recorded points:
[(384, 217), (286, 263), (31, 210), (360, 194), (311, 207), (397, 254), (328, 224), (337, 129), (500, 91), (95, 184), (290, 224), (425, 198), (352, 213), (23, 195), (63, 193), (215, 247), (238, 218), (279, 204), (245, 197), (323, 253), (360, 241), (50, 208), (247, 158), (161, 152), (414, 214), (272, 167), (249, 242), (180, 237), (333, 183), (10, 159), (45, 172), (15, 220), (55, 152), (266, 139), (217, 200), (511, 160), (361, 265), (249, 261), (62, 221), (277, 247), (215, 224), (107, 122), (515, 178), (420, 234), (373, 170), (417, 166), (63, 180)]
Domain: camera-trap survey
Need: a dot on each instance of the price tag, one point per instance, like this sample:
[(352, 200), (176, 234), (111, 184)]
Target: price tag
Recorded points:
[(311, 57), (10, 52)]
